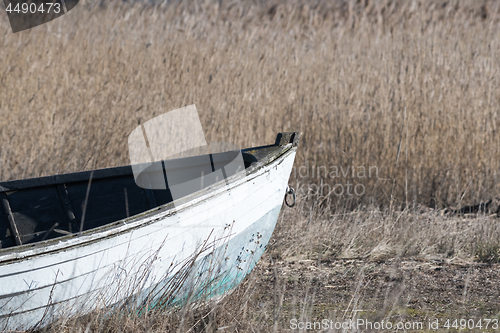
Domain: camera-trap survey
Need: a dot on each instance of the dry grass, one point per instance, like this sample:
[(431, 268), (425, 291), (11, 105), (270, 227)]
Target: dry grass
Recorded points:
[(369, 233), (342, 73), (408, 87)]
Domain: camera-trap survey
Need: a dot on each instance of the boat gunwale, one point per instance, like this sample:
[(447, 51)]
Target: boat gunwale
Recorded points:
[(17, 253), (79, 176)]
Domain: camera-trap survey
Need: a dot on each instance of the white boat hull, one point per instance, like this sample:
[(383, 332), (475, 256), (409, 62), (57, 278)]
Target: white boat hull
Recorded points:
[(202, 248)]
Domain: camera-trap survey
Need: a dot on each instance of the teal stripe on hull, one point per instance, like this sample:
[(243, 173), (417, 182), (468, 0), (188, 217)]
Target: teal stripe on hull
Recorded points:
[(217, 273)]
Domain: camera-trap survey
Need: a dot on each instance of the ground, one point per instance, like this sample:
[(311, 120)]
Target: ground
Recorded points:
[(398, 290)]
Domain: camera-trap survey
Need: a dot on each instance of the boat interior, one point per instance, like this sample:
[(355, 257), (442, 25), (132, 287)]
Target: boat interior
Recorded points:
[(37, 209)]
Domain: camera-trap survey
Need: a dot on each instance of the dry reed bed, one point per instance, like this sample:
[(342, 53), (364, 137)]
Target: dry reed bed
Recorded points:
[(342, 73)]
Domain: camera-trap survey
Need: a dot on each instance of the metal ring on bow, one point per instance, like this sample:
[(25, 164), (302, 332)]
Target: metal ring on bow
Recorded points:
[(290, 190)]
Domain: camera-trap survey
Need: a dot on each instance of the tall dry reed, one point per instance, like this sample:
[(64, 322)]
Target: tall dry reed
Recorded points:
[(408, 87)]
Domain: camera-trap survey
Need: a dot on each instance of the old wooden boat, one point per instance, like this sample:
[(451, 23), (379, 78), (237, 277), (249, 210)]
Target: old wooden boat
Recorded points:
[(76, 242)]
